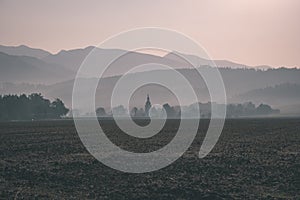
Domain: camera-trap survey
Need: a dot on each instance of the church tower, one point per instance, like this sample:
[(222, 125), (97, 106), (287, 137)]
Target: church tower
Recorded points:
[(147, 106)]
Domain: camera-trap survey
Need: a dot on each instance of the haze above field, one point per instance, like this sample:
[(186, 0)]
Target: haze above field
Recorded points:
[(27, 70)]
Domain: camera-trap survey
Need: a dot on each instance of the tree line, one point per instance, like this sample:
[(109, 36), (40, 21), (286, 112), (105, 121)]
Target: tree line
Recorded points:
[(31, 107), (246, 109)]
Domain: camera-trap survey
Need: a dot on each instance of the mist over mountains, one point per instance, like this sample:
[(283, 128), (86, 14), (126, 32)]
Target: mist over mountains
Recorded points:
[(47, 68), (26, 70), (31, 70)]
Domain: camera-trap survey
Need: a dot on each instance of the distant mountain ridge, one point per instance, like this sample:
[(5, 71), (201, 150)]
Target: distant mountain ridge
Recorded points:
[(71, 60), (30, 69), (23, 50), (287, 92), (218, 63)]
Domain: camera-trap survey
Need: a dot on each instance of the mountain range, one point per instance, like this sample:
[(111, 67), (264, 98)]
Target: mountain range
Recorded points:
[(39, 66), (25, 70)]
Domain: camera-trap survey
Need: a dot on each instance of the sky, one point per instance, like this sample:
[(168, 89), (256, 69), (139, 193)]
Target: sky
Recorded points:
[(252, 32)]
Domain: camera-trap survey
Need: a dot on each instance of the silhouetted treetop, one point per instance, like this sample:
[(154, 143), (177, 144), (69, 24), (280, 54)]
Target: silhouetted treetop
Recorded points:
[(33, 106)]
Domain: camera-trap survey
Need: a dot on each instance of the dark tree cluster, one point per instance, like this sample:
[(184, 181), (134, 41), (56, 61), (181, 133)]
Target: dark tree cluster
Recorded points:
[(249, 109), (33, 106)]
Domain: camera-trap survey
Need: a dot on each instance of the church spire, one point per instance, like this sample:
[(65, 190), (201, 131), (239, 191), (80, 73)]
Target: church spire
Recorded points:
[(147, 106)]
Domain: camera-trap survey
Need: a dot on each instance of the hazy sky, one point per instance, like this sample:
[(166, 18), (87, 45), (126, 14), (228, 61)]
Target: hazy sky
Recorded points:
[(252, 32)]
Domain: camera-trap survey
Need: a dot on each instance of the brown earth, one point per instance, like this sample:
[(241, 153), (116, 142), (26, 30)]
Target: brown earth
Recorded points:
[(253, 159)]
